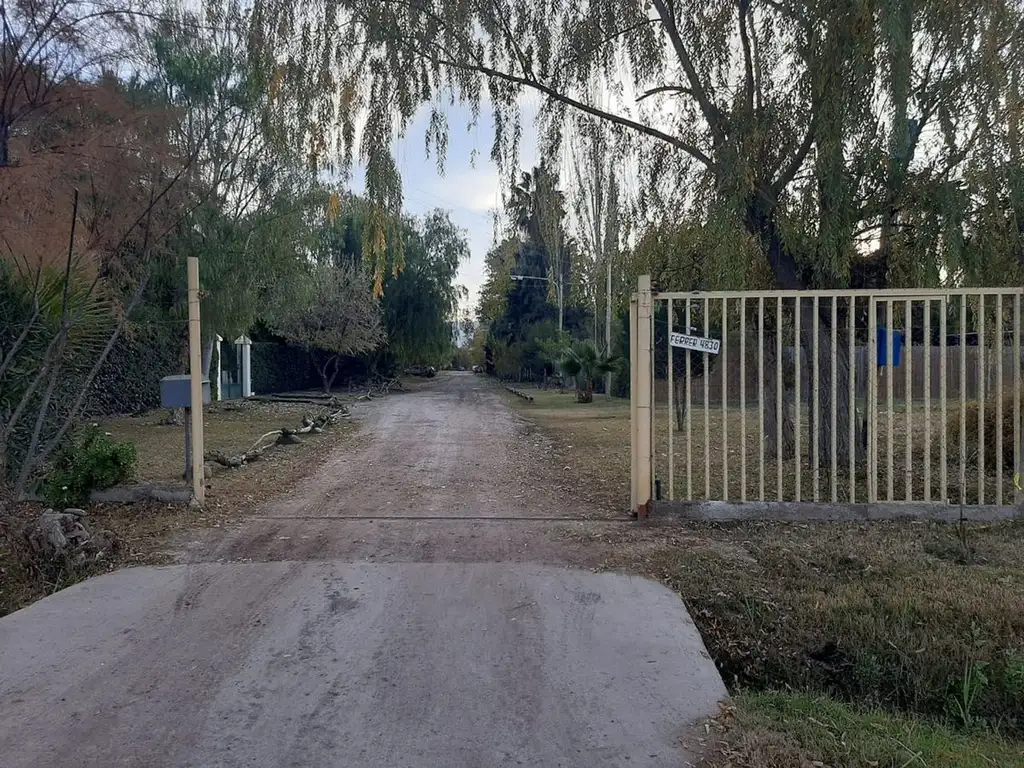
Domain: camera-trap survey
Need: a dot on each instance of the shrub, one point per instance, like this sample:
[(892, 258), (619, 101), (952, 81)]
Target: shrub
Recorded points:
[(92, 462), (991, 428)]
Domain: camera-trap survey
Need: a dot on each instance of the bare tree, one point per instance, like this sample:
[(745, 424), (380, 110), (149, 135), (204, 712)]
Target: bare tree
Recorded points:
[(330, 313), (47, 45)]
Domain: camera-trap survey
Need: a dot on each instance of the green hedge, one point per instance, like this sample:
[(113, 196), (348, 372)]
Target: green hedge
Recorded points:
[(129, 381), (281, 368)]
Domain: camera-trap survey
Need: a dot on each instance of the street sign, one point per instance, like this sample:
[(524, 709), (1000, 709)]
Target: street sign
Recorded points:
[(696, 343)]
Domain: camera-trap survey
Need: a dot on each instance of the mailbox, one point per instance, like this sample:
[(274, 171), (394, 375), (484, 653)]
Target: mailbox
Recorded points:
[(883, 347), (176, 391)]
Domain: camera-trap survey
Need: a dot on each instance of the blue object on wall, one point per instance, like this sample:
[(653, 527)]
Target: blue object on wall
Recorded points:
[(883, 347)]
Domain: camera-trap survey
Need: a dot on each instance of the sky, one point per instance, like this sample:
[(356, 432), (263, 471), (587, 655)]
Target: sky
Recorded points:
[(470, 189)]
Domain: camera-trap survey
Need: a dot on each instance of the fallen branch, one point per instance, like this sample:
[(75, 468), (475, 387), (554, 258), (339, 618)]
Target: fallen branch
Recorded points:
[(283, 436), (273, 432)]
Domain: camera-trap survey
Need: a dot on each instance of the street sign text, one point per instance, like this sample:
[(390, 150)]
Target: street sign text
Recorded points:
[(696, 343)]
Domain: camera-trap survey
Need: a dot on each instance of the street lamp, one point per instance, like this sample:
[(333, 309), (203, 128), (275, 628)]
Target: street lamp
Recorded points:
[(558, 292)]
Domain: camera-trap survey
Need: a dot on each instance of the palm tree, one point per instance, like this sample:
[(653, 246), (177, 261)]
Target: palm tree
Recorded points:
[(585, 364)]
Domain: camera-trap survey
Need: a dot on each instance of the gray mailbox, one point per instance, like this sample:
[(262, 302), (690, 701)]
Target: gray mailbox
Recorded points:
[(176, 391)]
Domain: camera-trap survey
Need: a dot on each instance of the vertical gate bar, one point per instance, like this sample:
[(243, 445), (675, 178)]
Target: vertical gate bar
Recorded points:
[(634, 414), (927, 399), (778, 398), (689, 415), (982, 375), (833, 447), (707, 406), (1018, 469), (671, 407), (797, 302), (725, 400), (872, 367), (760, 397), (999, 398), (816, 397), (851, 443), (963, 399), (743, 398), (943, 397), (908, 399), (890, 359)]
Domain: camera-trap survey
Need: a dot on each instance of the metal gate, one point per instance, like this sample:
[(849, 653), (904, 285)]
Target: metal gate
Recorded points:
[(841, 398)]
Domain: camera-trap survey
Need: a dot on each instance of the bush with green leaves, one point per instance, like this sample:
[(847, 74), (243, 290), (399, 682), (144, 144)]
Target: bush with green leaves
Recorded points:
[(92, 462), (584, 363)]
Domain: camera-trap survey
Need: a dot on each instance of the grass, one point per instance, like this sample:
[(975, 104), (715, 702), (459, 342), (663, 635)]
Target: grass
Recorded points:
[(762, 730), (902, 629), (143, 529), (721, 441)]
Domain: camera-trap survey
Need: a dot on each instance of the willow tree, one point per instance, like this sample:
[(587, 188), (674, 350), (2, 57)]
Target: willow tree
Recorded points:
[(759, 111), (595, 197)]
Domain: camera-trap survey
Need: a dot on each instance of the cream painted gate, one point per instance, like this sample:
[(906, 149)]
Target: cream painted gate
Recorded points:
[(846, 399)]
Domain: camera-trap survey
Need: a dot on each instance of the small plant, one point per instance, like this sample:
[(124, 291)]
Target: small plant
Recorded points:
[(92, 462), (971, 685), (973, 682), (584, 363)]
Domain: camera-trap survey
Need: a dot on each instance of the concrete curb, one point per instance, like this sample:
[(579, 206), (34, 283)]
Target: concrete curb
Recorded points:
[(782, 511)]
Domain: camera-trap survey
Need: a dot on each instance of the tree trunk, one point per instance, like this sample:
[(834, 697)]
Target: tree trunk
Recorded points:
[(823, 374), (761, 223), (328, 371), (207, 357), (771, 402), (5, 143), (680, 403)]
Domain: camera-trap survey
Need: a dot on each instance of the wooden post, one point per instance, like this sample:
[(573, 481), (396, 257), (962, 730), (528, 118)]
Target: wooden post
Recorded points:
[(634, 449), (195, 355), (644, 380)]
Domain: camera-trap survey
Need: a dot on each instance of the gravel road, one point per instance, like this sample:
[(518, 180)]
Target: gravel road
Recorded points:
[(405, 607)]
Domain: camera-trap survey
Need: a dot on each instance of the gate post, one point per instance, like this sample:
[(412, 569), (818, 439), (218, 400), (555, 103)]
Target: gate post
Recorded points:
[(644, 378), (634, 453)]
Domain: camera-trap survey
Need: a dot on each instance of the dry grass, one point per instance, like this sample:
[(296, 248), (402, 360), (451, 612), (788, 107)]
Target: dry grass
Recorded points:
[(592, 442), (605, 425), (988, 414), (918, 618)]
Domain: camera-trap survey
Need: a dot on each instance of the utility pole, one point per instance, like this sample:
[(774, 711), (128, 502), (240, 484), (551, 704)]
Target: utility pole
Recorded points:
[(195, 358)]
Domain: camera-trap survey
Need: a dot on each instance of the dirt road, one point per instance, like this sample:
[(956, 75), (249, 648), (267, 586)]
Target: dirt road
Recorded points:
[(407, 607)]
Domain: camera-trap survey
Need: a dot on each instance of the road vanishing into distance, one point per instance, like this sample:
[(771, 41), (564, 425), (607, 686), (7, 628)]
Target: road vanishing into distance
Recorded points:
[(401, 608)]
